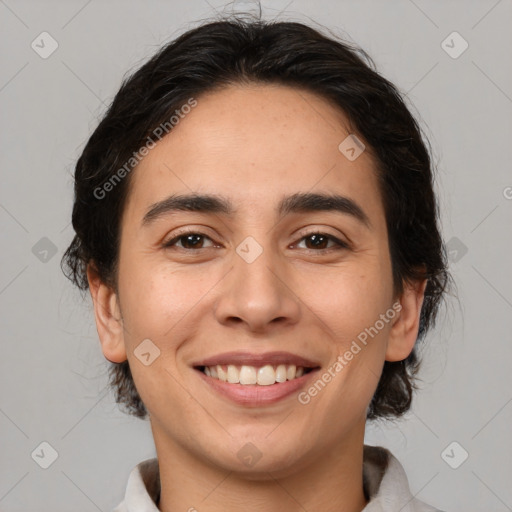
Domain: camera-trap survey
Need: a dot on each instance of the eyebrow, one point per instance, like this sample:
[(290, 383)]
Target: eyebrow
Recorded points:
[(295, 203)]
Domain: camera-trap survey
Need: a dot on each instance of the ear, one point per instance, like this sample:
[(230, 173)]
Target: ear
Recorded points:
[(404, 331), (108, 318)]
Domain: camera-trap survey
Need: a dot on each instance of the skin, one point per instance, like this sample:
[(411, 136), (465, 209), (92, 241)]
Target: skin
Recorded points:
[(254, 144)]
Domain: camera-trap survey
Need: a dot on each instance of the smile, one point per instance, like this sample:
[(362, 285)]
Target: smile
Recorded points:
[(246, 375), (255, 380)]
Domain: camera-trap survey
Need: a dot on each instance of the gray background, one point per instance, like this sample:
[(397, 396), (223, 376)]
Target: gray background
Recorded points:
[(53, 374)]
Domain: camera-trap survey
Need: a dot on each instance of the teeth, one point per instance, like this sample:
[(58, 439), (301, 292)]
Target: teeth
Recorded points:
[(222, 375), (250, 375), (281, 373), (266, 375), (233, 374)]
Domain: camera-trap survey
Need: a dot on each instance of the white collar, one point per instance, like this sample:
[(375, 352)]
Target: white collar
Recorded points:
[(384, 481)]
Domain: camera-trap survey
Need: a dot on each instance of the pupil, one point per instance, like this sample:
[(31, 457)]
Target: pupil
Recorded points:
[(188, 239), (317, 239)]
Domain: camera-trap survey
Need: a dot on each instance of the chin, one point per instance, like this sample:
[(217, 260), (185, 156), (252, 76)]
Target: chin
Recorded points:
[(255, 459)]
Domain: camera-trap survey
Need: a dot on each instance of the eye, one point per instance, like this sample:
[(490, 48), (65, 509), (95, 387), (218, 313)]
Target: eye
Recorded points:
[(319, 240), (189, 239)]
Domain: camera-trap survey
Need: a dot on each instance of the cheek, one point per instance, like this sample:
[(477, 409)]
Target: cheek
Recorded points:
[(155, 304), (354, 301), (155, 298)]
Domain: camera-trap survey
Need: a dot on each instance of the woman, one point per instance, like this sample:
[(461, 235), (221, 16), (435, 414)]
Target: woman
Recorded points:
[(256, 223)]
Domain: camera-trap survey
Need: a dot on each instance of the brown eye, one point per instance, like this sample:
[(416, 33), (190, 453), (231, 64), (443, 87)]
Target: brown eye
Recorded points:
[(318, 242), (189, 240)]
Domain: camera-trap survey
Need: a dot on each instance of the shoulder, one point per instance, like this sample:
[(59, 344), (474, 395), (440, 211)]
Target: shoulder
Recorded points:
[(143, 488), (386, 484)]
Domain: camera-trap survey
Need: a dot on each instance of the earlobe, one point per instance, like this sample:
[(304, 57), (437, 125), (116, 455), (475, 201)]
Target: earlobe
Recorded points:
[(404, 331), (107, 316)]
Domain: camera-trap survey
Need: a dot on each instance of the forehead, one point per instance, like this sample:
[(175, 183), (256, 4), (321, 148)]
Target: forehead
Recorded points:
[(252, 143)]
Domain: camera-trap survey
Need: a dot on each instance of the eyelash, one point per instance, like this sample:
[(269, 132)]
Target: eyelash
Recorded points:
[(340, 244)]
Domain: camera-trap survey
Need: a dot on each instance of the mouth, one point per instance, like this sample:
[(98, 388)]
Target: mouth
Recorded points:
[(248, 375), (255, 379)]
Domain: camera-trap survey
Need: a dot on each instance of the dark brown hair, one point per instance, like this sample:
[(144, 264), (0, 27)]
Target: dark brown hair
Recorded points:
[(232, 51)]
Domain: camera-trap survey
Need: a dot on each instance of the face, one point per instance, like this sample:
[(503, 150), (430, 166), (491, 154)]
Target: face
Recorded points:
[(256, 282)]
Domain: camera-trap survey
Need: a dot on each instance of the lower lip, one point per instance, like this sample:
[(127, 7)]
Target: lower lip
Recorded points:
[(255, 395)]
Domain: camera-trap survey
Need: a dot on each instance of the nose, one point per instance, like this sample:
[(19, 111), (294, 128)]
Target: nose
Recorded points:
[(257, 294)]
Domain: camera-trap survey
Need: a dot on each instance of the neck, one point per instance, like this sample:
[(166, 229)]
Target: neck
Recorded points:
[(331, 482)]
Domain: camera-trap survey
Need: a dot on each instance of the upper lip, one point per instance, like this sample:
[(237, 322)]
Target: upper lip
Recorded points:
[(248, 359)]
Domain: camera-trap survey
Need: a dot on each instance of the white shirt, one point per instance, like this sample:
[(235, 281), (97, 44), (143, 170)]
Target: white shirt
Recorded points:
[(384, 482)]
